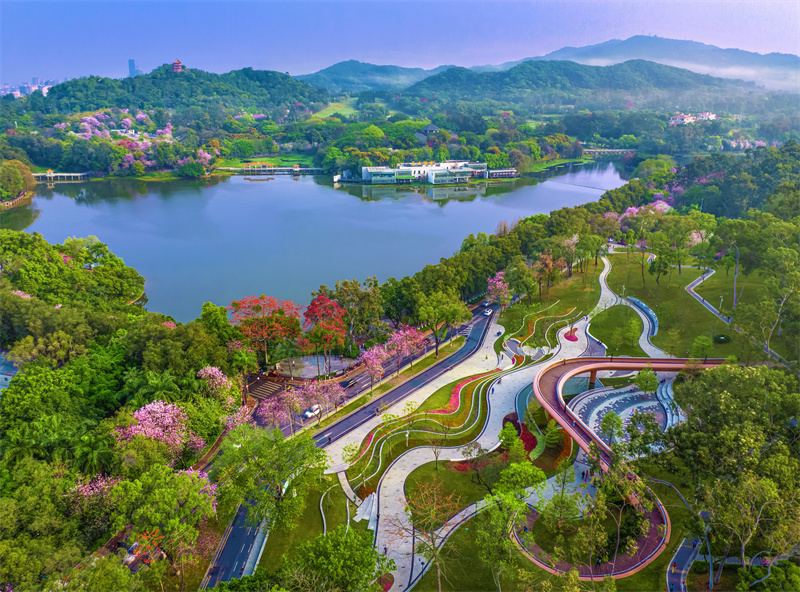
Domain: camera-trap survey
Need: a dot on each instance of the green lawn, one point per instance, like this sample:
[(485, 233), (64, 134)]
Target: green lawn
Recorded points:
[(681, 318), (281, 160), (345, 108), (720, 285), (467, 572), (452, 481), (609, 327), (284, 542)]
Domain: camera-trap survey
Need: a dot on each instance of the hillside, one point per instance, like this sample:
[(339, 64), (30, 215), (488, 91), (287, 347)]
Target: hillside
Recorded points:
[(775, 71), (164, 88), (355, 76), (561, 82)]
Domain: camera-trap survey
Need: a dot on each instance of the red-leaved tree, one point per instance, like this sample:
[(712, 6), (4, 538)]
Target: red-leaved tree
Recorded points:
[(266, 321), (324, 320)]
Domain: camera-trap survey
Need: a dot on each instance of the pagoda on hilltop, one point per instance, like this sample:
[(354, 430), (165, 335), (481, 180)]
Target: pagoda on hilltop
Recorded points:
[(177, 66)]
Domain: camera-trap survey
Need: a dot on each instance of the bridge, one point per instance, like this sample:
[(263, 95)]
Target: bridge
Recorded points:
[(265, 168), (51, 176), (608, 151)]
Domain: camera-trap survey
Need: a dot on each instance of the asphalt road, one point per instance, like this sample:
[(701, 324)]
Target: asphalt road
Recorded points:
[(236, 550)]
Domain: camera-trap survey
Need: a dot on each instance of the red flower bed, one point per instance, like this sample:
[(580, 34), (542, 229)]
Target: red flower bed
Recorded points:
[(463, 467), (455, 395), (386, 581), (528, 439), (570, 335)]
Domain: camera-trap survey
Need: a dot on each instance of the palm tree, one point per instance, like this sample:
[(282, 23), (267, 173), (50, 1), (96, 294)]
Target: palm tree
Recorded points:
[(93, 453), (22, 443), (54, 437)]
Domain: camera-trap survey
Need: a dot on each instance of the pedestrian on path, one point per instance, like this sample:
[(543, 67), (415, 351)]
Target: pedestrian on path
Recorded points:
[(694, 544), (385, 550), (597, 563), (674, 565), (329, 439)]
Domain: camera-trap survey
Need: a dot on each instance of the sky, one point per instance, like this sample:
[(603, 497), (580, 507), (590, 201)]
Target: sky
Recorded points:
[(58, 39)]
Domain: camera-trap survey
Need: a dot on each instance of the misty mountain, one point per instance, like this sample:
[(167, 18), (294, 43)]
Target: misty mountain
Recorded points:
[(355, 76), (546, 83), (776, 71)]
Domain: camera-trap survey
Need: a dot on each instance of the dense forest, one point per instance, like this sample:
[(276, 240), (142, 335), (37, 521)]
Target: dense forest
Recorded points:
[(538, 84), (248, 88)]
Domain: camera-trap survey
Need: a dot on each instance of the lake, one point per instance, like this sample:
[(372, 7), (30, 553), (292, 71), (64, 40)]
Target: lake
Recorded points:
[(218, 240)]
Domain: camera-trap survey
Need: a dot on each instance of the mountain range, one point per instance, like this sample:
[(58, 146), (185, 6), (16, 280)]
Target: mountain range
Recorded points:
[(774, 71)]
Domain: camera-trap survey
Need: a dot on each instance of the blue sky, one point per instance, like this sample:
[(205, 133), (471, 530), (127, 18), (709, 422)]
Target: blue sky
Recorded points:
[(54, 39)]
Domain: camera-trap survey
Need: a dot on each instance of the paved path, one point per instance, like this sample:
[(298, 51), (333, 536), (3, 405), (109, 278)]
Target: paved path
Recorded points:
[(391, 496)]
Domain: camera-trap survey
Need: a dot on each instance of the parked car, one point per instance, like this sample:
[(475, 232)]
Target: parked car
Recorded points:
[(312, 411)]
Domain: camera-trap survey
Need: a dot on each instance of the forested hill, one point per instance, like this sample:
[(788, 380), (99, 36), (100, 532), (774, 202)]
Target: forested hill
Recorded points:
[(356, 76), (635, 80), (164, 88)]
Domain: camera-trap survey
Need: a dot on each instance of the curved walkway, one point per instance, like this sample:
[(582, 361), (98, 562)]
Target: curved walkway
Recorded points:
[(391, 489), (547, 387)]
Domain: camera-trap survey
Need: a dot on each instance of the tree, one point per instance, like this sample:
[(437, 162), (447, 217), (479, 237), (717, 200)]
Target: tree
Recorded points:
[(324, 320), (552, 434), (562, 506), (612, 426), (504, 511), (266, 321), (646, 380), (498, 289), (425, 512), (408, 341), (361, 305), (434, 311), (339, 560), (521, 278), (274, 472), (98, 573), (174, 503), (373, 360), (438, 438), (702, 346), (400, 299)]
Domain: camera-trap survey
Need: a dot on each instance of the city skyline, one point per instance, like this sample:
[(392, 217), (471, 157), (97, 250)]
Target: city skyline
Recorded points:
[(326, 35)]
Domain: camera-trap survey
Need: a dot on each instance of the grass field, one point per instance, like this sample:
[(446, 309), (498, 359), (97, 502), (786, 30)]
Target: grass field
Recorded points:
[(610, 327), (720, 285), (345, 108), (681, 318), (280, 160)]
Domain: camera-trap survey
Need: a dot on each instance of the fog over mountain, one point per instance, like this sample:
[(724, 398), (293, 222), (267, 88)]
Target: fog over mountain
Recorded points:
[(775, 71)]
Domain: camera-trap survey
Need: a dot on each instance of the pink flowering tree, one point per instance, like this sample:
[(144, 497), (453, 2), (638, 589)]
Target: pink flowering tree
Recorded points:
[(408, 341), (498, 289), (373, 360), (273, 411), (240, 417), (165, 423), (90, 501), (217, 383)]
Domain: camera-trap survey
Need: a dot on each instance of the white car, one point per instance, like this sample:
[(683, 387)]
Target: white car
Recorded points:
[(312, 411), (487, 312)]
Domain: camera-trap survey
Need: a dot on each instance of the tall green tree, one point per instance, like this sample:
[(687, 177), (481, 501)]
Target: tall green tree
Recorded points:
[(275, 472)]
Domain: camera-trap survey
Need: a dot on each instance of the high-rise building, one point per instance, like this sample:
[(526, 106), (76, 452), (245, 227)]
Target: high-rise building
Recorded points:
[(132, 69)]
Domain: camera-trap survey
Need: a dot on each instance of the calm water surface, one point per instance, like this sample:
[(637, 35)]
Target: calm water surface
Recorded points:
[(196, 241)]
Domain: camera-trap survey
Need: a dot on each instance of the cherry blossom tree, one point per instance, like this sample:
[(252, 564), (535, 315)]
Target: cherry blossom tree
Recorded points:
[(217, 382), (273, 411), (373, 360), (498, 289), (408, 341), (166, 423)]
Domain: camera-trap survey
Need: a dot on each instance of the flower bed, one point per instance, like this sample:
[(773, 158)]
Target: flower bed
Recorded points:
[(570, 335), (528, 439)]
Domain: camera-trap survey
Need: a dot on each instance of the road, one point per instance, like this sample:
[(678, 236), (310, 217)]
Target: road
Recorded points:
[(237, 547)]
